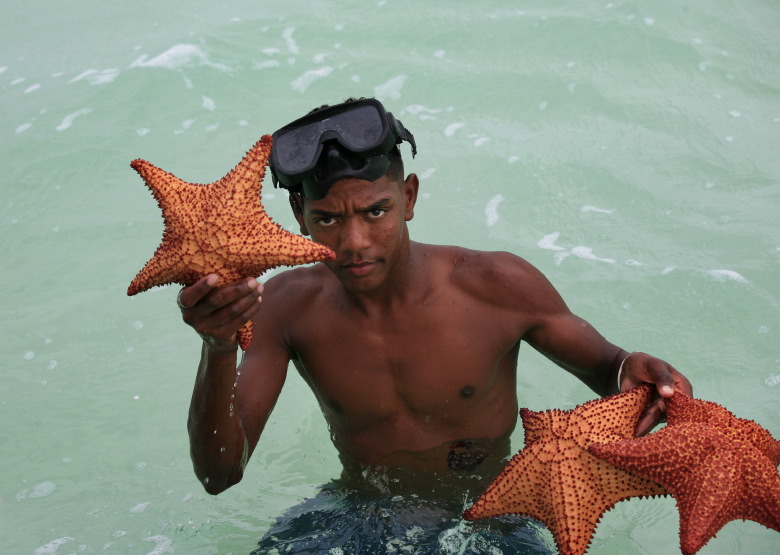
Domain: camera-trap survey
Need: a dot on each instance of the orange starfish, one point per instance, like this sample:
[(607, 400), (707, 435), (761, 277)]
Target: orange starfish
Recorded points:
[(718, 467), (220, 228), (556, 480)]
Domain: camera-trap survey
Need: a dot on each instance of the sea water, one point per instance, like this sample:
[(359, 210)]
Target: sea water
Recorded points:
[(627, 149)]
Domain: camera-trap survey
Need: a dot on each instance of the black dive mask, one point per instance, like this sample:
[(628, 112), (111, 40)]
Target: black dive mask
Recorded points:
[(348, 140)]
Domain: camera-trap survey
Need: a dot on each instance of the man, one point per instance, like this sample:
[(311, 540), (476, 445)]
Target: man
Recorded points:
[(410, 349)]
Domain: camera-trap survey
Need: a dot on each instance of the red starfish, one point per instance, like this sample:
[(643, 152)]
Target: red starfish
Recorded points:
[(718, 467), (556, 480)]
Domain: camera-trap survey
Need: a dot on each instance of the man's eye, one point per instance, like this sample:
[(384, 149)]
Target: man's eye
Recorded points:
[(325, 221), (377, 212)]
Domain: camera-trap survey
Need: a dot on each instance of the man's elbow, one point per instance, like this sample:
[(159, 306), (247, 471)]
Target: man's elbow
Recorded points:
[(215, 487)]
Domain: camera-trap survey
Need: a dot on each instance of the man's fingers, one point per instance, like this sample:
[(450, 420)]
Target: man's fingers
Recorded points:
[(191, 295), (653, 415)]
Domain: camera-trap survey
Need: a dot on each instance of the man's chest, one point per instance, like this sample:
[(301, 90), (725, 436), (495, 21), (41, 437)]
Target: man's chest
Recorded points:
[(428, 359)]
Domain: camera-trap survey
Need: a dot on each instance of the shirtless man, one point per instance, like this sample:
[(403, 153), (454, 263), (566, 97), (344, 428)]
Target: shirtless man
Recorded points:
[(411, 349)]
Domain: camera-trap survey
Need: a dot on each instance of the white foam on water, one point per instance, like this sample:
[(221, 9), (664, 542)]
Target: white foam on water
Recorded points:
[(44, 489), (140, 507), (723, 276), (18, 80), (548, 242), (29, 355), (773, 380), (449, 131), (24, 127), (53, 546), (588, 208), (420, 109), (587, 254), (481, 141), (143, 131), (96, 76), (208, 103), (427, 173), (3, 68), (266, 64), (491, 210), (164, 544), (32, 88), (67, 121), (287, 35), (390, 89), (513, 159), (302, 83), (178, 56)]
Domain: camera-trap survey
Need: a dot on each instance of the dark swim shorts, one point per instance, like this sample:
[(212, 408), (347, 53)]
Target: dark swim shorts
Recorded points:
[(341, 521)]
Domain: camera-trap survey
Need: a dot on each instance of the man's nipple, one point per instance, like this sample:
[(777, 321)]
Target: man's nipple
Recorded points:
[(467, 392)]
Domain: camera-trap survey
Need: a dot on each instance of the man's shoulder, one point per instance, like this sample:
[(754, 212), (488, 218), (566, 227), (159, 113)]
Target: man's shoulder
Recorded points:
[(296, 285), (493, 276), (469, 264)]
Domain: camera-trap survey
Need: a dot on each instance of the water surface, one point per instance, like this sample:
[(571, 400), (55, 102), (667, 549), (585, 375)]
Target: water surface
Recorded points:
[(627, 149)]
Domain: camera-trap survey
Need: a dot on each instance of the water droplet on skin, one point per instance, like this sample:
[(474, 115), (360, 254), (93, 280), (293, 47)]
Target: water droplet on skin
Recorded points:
[(206, 480), (221, 449)]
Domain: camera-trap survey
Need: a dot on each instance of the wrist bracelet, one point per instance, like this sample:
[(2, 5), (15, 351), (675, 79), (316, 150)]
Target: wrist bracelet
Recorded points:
[(620, 371)]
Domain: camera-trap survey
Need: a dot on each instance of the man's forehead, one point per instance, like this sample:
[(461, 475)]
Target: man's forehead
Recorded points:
[(360, 191)]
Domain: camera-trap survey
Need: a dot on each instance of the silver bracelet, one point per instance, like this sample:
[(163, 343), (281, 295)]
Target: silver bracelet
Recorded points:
[(620, 371)]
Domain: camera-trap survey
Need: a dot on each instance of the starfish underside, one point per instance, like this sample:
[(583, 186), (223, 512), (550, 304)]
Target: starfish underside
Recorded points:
[(220, 228)]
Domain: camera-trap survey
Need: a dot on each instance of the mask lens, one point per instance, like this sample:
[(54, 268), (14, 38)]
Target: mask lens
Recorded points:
[(297, 150), (359, 129)]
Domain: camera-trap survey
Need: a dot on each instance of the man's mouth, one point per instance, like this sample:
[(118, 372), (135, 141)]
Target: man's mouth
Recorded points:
[(359, 268)]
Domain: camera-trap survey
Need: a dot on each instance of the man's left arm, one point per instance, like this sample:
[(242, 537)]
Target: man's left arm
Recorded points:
[(579, 348)]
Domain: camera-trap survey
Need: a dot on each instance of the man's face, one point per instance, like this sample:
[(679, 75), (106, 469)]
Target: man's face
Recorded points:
[(364, 223)]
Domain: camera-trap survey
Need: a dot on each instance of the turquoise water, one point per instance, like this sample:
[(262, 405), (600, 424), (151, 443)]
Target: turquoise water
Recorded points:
[(629, 150)]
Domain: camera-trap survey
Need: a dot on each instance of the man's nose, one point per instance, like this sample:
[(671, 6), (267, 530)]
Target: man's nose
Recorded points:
[(354, 237)]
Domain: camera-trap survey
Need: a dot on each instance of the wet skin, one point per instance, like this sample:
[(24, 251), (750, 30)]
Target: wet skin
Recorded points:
[(411, 349)]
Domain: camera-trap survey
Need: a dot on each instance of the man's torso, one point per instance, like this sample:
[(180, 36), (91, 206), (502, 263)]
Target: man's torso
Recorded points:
[(428, 384)]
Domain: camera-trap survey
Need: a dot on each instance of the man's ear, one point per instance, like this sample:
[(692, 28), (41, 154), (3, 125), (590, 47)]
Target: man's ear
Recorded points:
[(296, 203), (410, 188)]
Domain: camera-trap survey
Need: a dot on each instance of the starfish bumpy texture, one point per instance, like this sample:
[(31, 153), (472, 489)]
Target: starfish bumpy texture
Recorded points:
[(718, 467), (554, 479), (220, 228)]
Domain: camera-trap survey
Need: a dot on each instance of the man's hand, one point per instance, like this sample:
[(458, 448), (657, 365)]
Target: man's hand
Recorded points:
[(641, 368), (217, 313)]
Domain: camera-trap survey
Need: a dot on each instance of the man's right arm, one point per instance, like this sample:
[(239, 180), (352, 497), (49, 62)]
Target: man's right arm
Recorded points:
[(229, 405)]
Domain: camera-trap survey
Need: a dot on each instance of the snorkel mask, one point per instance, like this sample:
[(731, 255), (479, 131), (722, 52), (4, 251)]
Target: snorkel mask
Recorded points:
[(352, 139)]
